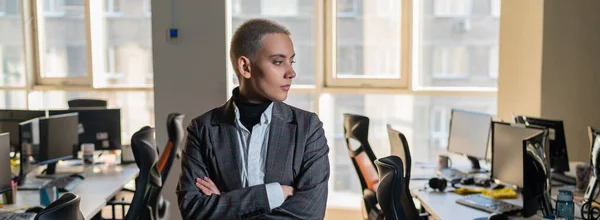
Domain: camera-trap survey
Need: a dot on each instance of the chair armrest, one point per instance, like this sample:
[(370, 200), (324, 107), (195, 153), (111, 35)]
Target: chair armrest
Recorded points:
[(128, 190)]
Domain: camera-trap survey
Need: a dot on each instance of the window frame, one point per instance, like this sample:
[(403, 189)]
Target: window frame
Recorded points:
[(35, 54), (495, 8)]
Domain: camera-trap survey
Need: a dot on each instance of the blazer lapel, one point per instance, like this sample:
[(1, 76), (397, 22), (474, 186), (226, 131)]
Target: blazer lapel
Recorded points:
[(226, 146), (282, 136)]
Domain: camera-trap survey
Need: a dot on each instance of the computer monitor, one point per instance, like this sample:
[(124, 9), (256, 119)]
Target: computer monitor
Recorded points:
[(507, 143), (469, 135), (9, 122), (536, 175), (102, 127), (47, 140), (5, 171), (559, 159)]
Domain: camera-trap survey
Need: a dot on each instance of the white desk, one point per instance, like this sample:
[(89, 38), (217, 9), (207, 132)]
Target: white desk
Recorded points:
[(442, 205), (95, 190)]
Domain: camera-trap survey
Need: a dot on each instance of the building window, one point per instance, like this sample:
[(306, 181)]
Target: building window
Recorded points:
[(495, 8), (10, 7), (236, 7), (452, 8), (53, 7), (279, 8), (440, 123), (493, 62), (450, 62), (348, 58), (389, 8), (113, 6), (347, 8)]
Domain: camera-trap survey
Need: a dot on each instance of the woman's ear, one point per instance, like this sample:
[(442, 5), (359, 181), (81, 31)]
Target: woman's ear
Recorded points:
[(244, 67)]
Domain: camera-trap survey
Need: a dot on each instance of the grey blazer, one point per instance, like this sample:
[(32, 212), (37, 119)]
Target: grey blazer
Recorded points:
[(297, 156)]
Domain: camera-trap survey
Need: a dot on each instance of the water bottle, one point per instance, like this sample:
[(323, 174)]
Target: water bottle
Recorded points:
[(565, 208)]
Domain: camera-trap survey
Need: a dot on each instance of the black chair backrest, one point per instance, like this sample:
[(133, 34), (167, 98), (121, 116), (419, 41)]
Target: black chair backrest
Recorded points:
[(400, 148), (65, 207), (87, 103), (143, 146), (393, 194), (176, 135), (357, 127)]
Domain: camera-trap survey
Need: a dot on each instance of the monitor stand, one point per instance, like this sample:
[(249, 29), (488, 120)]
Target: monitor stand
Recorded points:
[(475, 167), (50, 173), (559, 176)]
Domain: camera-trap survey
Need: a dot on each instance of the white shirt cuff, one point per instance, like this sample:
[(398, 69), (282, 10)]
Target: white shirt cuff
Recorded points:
[(274, 194)]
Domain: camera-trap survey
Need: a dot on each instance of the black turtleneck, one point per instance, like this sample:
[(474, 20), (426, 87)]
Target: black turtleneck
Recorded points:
[(249, 112)]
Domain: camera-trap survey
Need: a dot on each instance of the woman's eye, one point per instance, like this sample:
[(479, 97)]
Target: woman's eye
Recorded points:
[(277, 62), (292, 63)]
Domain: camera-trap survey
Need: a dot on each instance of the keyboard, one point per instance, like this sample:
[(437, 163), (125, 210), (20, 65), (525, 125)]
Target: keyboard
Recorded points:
[(487, 204), (559, 177), (451, 174), (66, 184), (17, 216)]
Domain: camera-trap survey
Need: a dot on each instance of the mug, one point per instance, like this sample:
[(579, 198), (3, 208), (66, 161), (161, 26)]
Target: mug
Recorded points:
[(87, 149), (582, 173), (444, 162), (10, 197)]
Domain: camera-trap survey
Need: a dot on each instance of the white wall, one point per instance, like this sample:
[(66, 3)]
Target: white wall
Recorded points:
[(189, 77)]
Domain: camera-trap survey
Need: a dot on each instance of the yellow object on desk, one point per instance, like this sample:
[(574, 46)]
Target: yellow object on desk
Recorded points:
[(505, 193)]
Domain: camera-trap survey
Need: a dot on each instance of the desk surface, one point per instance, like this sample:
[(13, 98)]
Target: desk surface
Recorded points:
[(442, 205), (99, 185)]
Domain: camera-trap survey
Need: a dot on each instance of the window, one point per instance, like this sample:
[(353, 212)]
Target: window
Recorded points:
[(279, 8), (347, 8), (450, 62), (440, 124), (53, 7), (452, 8), (113, 6), (236, 7), (63, 61), (493, 62), (370, 34), (126, 44), (388, 8), (447, 59), (495, 8), (349, 58)]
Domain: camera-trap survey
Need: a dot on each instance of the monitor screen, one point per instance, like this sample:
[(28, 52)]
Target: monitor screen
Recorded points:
[(559, 159), (507, 151), (469, 133), (49, 139), (102, 127), (5, 171), (62, 136), (9, 122)]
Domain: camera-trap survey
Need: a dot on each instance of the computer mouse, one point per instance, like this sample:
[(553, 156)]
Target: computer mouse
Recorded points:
[(467, 180), (498, 216), (34, 209)]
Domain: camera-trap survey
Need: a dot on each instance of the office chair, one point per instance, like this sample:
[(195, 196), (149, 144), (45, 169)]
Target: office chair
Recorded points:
[(393, 193), (356, 127), (65, 207), (400, 148), (87, 103), (176, 134), (143, 146)]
